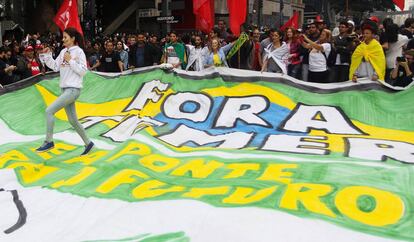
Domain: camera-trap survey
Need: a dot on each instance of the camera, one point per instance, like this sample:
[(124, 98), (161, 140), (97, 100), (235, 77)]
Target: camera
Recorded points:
[(401, 59)]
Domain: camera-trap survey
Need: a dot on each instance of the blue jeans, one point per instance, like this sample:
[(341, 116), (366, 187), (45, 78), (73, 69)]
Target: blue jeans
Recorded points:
[(67, 101)]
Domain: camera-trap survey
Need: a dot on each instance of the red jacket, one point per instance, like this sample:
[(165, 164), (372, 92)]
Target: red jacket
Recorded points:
[(294, 50)]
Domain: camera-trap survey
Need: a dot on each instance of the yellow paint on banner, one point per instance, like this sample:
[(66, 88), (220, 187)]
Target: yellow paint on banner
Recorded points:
[(387, 209), (207, 191), (246, 195), (154, 188), (89, 158), (112, 108), (247, 89), (31, 172), (83, 174), (126, 176), (309, 195), (12, 155)]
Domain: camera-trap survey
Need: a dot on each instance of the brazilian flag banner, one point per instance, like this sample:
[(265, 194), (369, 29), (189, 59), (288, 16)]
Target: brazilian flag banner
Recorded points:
[(219, 155)]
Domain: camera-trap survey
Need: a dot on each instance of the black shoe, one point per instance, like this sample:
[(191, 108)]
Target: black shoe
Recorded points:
[(88, 148), (45, 147)]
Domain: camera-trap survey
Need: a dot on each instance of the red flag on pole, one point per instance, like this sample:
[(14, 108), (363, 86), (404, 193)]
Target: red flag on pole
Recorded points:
[(204, 12), (292, 22), (237, 14), (67, 16), (400, 4)]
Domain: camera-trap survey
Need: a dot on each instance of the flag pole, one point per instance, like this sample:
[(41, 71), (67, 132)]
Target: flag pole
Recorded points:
[(281, 6), (347, 8)]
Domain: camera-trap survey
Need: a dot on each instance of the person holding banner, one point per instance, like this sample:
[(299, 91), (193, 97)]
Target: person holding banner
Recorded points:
[(196, 56), (174, 53), (368, 59), (276, 55), (294, 65), (256, 60), (72, 65), (240, 56)]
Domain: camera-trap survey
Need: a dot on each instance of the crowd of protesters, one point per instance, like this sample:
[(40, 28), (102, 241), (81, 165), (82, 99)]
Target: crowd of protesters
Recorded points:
[(374, 49)]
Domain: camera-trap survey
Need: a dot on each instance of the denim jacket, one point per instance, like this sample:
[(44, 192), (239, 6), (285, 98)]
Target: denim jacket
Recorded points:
[(208, 60)]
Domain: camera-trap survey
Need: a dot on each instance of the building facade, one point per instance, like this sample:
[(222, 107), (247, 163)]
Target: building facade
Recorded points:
[(154, 16)]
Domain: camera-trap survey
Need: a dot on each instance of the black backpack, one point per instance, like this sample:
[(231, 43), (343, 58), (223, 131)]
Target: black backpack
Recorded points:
[(331, 58)]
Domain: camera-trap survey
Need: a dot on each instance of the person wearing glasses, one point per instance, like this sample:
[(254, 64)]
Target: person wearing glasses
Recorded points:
[(257, 57)]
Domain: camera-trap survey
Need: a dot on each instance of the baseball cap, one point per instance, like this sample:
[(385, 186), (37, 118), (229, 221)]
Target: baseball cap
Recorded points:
[(351, 22), (29, 48)]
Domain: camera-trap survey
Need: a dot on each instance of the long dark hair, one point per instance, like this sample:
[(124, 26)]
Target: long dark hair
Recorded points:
[(294, 34), (392, 33), (72, 32)]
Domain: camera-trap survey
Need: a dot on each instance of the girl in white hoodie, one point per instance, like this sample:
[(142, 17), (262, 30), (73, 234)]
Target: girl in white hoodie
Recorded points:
[(72, 65)]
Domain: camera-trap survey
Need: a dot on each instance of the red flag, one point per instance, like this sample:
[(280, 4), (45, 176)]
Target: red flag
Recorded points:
[(400, 4), (67, 16), (204, 12), (292, 22), (237, 14)]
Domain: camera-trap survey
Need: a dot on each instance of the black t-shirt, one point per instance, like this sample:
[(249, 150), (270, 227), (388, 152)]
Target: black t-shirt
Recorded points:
[(5, 78), (383, 38), (402, 79), (109, 62), (242, 61)]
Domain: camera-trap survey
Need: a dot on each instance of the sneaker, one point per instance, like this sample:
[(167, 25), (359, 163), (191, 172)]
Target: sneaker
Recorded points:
[(88, 148), (45, 147)]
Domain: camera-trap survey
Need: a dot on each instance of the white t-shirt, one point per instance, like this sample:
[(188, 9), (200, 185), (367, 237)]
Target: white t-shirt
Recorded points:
[(317, 59), (395, 50)]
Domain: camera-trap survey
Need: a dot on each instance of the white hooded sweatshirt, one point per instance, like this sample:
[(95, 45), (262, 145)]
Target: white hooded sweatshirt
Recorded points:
[(71, 74)]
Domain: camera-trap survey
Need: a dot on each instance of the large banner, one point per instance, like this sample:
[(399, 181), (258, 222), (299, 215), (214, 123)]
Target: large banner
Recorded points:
[(220, 155)]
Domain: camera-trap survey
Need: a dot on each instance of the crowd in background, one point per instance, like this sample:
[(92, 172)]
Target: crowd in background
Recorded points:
[(377, 50)]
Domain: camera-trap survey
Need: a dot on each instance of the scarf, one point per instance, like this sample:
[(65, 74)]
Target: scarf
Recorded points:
[(279, 55), (196, 55)]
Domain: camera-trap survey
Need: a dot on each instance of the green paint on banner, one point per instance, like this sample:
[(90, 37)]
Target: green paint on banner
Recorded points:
[(364, 194), (169, 237)]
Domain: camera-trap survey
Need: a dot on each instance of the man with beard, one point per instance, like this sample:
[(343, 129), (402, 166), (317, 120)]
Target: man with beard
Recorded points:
[(196, 56), (6, 70), (153, 43), (256, 63), (142, 54)]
